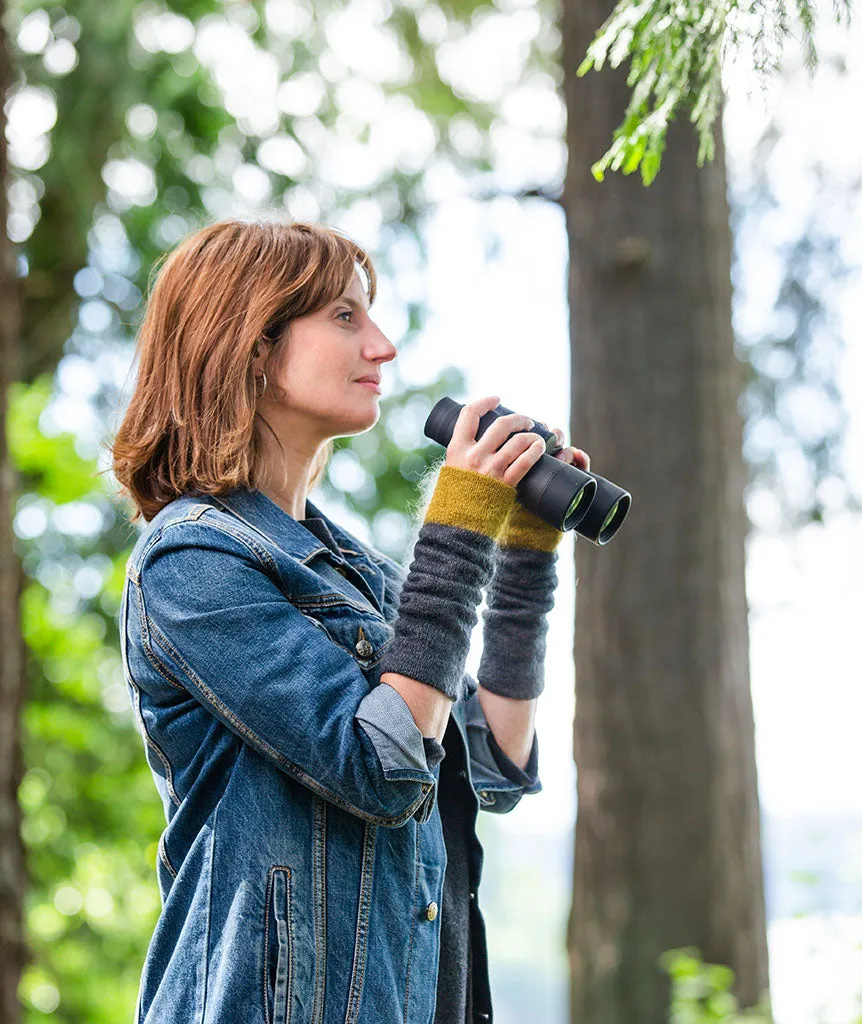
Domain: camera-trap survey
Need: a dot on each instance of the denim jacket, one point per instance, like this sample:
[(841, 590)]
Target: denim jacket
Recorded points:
[(303, 849)]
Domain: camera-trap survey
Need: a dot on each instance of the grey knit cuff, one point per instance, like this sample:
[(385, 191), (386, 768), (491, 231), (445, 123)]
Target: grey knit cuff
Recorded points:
[(434, 751), (437, 608), (520, 595)]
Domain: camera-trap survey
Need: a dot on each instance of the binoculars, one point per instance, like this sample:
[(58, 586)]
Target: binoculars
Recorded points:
[(564, 496)]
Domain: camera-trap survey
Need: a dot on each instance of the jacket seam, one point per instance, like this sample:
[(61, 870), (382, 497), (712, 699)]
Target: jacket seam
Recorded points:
[(319, 895), (360, 948), (276, 755), (269, 905), (151, 743), (163, 856), (226, 509), (330, 600), (136, 699), (209, 916), (145, 641), (260, 552), (314, 600), (359, 554)]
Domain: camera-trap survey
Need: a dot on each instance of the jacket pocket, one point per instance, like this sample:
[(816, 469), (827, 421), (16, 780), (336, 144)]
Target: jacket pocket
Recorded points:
[(365, 637), (278, 947)]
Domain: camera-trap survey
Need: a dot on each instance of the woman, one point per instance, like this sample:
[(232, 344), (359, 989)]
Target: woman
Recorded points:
[(318, 748)]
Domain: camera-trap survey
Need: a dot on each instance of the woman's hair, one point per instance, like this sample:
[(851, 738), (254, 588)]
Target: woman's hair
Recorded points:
[(190, 423)]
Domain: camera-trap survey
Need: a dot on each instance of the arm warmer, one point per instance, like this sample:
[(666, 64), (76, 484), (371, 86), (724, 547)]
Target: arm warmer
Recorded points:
[(453, 559), (520, 595)]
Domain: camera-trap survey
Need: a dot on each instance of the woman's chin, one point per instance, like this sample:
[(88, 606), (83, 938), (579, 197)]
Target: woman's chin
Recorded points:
[(360, 421)]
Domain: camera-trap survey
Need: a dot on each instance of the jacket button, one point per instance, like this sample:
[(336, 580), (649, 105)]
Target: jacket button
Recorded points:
[(472, 896), (363, 647), (431, 911)]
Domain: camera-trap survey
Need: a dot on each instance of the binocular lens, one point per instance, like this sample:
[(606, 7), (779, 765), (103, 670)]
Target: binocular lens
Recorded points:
[(613, 519), (609, 518), (579, 497)]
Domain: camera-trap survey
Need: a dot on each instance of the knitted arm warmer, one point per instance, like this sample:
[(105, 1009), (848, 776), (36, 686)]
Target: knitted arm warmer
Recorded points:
[(518, 599), (453, 559)]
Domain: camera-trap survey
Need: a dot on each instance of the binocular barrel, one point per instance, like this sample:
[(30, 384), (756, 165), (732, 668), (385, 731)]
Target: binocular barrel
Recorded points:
[(564, 496)]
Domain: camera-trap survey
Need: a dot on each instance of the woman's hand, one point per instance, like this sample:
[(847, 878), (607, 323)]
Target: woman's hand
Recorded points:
[(512, 461)]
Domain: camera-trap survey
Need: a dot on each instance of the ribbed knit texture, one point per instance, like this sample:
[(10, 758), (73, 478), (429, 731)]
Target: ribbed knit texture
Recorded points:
[(520, 594), (453, 559), (523, 529)]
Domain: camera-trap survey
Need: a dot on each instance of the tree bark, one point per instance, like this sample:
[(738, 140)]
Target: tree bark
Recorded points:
[(667, 840), (12, 671)]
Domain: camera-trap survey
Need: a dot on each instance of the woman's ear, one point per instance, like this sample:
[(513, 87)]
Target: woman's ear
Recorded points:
[(260, 357)]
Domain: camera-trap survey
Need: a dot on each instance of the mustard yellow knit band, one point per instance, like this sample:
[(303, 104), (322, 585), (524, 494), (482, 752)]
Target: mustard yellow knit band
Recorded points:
[(471, 500), (523, 529)]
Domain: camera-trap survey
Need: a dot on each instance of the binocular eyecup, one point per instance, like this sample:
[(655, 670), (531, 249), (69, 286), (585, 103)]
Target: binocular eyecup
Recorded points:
[(562, 495)]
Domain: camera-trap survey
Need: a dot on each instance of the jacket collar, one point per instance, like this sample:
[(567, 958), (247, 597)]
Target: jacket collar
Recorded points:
[(293, 537)]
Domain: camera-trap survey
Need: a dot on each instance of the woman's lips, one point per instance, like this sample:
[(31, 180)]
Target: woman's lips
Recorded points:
[(369, 384)]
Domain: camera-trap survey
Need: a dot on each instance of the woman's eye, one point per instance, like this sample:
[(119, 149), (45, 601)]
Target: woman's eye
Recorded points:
[(346, 312)]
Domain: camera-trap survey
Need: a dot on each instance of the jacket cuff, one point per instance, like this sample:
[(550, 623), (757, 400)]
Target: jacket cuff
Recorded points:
[(389, 723), (527, 776)]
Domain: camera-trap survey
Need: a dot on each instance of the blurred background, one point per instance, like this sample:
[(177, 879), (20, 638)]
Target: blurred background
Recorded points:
[(437, 136)]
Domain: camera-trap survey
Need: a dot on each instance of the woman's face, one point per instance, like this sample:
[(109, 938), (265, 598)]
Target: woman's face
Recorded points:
[(326, 352)]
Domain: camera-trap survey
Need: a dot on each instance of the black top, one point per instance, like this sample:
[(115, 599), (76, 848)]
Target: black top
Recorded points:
[(463, 983)]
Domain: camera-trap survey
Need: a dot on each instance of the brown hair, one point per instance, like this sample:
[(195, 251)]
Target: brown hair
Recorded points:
[(190, 423)]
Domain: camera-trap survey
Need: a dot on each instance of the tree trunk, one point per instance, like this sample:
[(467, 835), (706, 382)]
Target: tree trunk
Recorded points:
[(12, 876), (667, 841)]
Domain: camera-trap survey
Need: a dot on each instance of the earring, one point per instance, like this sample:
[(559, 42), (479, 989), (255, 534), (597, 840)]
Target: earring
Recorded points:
[(264, 383)]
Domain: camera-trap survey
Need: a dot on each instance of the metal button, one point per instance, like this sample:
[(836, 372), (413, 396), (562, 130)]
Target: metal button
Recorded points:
[(472, 896), (431, 911), (363, 647)]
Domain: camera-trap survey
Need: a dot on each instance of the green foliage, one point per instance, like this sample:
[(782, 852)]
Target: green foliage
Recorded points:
[(51, 465), (676, 50), (91, 817), (700, 992)]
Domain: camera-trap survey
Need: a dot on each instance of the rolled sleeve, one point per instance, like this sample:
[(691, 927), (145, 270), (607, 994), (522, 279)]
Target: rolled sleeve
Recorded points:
[(400, 745), (499, 783), (527, 776)]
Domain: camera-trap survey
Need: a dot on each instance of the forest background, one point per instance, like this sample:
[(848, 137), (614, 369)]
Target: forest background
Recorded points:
[(130, 124)]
